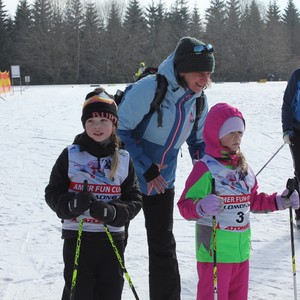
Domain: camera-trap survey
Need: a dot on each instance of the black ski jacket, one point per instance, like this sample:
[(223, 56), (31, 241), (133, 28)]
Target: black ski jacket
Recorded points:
[(57, 193)]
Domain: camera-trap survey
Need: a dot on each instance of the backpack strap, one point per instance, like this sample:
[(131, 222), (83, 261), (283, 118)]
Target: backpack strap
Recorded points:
[(200, 103), (160, 93), (161, 90)]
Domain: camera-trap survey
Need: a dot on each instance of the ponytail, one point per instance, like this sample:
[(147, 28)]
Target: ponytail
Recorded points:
[(115, 156)]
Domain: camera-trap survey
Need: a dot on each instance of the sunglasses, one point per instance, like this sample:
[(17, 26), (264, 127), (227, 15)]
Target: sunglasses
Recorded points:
[(199, 49)]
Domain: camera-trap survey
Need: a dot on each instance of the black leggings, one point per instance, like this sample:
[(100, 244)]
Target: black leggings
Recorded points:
[(164, 279), (99, 273)]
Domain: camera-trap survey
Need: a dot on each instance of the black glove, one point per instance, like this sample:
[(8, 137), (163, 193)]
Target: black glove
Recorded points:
[(80, 203), (102, 211)]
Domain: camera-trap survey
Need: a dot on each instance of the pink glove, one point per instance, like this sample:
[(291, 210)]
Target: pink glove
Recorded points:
[(211, 205), (292, 201)]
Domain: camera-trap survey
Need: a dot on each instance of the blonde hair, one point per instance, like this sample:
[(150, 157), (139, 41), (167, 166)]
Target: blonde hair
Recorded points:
[(242, 162), (115, 156)]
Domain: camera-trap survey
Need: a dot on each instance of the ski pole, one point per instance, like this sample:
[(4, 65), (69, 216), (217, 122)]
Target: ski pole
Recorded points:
[(270, 158), (214, 223), (293, 254), (120, 261), (77, 252), (291, 186)]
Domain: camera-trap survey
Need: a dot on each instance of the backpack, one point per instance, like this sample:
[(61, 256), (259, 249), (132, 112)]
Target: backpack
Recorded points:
[(161, 90)]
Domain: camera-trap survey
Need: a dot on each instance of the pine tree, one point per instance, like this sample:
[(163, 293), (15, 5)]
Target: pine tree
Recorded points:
[(73, 36), (4, 38), (21, 36), (196, 28), (92, 50), (59, 47), (291, 20), (231, 46), (179, 19), (252, 43), (115, 43), (135, 30), (39, 53), (158, 32), (274, 35), (215, 30)]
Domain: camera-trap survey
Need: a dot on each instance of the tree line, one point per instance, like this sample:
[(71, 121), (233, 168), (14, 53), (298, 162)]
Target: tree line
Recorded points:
[(104, 42)]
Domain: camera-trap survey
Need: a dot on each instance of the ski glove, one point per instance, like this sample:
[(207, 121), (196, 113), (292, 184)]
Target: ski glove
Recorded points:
[(283, 202), (102, 211), (80, 203), (287, 135), (211, 205)]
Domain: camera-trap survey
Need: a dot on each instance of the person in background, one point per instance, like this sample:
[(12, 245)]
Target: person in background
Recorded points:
[(290, 118), (155, 149), (233, 196), (139, 71), (112, 197)]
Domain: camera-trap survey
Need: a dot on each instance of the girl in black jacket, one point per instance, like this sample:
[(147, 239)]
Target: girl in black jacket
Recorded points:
[(111, 196)]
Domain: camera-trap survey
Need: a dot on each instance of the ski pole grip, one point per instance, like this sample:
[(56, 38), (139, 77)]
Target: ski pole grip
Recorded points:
[(85, 186), (213, 186), (291, 185)]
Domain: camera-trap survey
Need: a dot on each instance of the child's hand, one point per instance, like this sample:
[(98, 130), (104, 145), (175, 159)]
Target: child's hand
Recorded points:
[(211, 205), (283, 202), (102, 211), (80, 203)]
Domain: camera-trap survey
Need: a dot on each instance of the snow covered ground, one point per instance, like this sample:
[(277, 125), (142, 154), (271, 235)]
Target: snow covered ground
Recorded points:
[(37, 124)]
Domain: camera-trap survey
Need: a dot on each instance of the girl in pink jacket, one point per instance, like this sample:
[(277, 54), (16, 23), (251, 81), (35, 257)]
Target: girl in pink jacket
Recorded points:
[(236, 194)]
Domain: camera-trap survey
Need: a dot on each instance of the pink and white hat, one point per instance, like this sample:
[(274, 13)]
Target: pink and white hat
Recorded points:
[(231, 125)]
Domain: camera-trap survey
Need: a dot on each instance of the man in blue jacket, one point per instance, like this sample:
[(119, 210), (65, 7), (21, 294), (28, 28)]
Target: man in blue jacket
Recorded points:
[(154, 149), (290, 118)]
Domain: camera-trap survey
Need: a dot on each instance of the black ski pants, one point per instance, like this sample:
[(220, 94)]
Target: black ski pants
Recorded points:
[(295, 151), (164, 279), (99, 275)]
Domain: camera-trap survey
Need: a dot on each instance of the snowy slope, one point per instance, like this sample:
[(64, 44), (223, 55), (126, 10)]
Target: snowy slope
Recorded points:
[(38, 124)]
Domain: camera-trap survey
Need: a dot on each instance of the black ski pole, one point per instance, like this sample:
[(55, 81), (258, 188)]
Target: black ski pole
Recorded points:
[(120, 261), (291, 186), (77, 252), (214, 223), (270, 159)]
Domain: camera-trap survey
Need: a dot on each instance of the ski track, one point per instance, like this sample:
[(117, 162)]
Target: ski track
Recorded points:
[(38, 124)]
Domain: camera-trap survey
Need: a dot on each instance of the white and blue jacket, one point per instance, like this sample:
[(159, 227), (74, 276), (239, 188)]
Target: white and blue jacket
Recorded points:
[(146, 142)]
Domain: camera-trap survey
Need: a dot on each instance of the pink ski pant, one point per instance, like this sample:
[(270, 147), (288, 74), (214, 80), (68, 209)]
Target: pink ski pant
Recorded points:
[(232, 281)]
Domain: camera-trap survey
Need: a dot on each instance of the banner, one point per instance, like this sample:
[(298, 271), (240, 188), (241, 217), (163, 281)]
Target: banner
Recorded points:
[(5, 84)]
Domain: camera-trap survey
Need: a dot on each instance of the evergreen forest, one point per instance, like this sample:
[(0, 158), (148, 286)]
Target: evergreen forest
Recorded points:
[(99, 41)]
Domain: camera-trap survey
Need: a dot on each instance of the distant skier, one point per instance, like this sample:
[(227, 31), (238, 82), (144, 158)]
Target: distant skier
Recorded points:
[(290, 117), (230, 204), (140, 70)]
